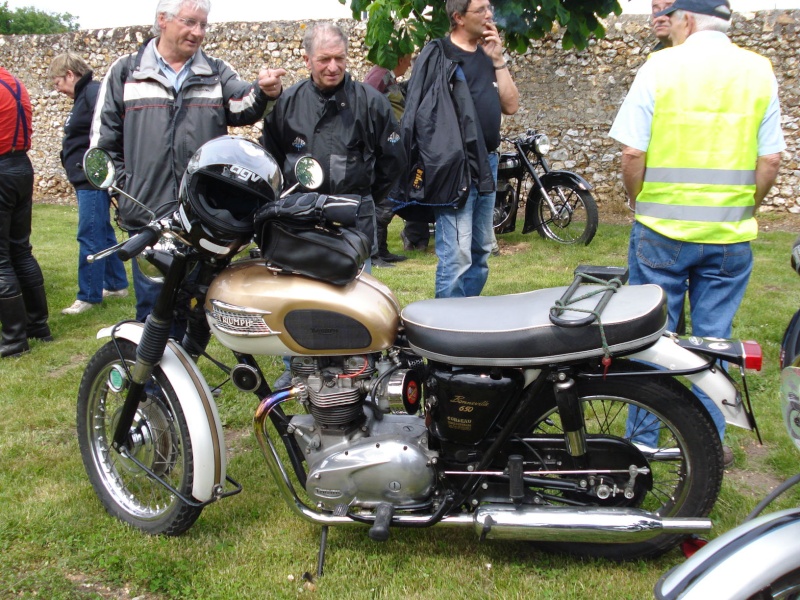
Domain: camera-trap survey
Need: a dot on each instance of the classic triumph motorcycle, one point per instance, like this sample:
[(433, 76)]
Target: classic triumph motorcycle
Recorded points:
[(558, 204), (506, 415), (759, 559)]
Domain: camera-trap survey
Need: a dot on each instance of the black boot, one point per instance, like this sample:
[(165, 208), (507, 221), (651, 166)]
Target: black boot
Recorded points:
[(12, 324), (384, 255), (36, 307)]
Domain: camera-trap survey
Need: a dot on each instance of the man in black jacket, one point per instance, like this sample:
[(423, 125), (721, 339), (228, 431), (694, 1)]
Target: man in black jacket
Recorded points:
[(106, 277), (458, 90), (347, 126)]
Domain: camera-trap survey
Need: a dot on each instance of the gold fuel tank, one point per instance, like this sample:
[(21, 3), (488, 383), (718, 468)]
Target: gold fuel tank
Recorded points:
[(255, 310)]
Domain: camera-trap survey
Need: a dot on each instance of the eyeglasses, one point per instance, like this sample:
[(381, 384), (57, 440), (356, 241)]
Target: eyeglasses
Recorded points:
[(192, 23), (483, 10)]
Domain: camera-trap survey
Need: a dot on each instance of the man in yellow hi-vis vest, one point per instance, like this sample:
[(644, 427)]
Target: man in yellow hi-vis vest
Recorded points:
[(701, 136)]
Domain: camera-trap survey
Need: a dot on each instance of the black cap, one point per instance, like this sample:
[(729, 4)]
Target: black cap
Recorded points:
[(715, 8)]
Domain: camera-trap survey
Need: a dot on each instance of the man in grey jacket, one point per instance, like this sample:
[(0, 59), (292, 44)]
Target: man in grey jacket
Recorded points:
[(157, 106)]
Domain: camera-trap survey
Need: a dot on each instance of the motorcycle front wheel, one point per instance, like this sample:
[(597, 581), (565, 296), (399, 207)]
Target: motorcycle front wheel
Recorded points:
[(159, 440), (686, 463), (574, 220)]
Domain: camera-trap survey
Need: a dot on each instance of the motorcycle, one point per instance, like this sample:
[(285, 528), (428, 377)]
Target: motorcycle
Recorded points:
[(759, 559), (558, 204), (512, 425)]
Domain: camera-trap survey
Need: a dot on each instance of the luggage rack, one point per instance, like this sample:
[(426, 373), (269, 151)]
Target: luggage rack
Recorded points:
[(611, 278)]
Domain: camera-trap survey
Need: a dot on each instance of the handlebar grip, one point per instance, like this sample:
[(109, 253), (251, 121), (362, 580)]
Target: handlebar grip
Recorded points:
[(146, 237)]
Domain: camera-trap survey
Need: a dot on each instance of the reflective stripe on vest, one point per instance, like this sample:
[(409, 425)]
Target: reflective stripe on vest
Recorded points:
[(699, 181), (705, 176), (704, 214)]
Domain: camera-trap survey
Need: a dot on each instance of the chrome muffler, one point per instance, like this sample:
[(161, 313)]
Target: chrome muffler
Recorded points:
[(579, 524)]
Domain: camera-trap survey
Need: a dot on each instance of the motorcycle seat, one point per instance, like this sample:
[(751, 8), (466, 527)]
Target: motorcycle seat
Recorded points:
[(515, 330)]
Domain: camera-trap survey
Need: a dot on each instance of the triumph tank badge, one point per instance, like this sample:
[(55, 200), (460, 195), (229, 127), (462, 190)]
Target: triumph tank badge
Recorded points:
[(239, 320)]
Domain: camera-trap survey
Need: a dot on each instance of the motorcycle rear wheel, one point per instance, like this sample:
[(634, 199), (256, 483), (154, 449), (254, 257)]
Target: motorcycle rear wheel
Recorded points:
[(575, 218), (687, 470), (163, 445)]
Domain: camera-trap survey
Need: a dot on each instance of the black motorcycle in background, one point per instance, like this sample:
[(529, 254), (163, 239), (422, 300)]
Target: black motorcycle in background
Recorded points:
[(558, 204)]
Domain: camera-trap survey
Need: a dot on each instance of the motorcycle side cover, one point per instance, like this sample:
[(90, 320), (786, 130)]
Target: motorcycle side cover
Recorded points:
[(199, 408), (739, 563)]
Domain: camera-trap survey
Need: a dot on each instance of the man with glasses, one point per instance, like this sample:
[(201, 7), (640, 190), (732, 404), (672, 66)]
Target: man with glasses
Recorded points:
[(451, 128), (157, 106), (701, 136), (660, 23)]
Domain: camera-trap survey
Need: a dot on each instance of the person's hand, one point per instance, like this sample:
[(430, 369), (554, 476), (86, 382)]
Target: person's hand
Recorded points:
[(492, 45), (269, 80)]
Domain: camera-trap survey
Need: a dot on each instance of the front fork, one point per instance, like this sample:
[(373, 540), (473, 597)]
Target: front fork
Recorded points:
[(570, 409), (150, 349)]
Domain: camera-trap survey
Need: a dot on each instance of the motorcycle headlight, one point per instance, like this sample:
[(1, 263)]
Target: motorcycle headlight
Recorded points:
[(162, 252), (542, 143)]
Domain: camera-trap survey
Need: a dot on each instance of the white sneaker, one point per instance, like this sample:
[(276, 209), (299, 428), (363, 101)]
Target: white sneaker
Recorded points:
[(123, 293), (78, 307)]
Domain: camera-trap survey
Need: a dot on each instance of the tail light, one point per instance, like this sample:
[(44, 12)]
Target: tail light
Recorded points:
[(751, 352)]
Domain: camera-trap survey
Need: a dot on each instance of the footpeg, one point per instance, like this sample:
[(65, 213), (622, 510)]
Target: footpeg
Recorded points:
[(383, 520), (515, 477)]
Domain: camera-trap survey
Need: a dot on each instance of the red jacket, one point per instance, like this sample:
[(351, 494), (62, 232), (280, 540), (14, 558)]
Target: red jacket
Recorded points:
[(16, 125)]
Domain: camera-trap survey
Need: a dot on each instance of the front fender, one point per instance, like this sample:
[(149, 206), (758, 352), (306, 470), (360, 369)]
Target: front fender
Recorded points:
[(668, 355), (739, 563), (199, 408), (552, 178), (565, 178)]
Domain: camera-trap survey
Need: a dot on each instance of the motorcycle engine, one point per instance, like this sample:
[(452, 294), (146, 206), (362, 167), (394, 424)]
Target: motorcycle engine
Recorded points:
[(360, 450)]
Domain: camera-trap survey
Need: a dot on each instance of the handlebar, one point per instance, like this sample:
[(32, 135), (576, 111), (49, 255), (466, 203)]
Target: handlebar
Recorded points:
[(526, 139), (147, 236)]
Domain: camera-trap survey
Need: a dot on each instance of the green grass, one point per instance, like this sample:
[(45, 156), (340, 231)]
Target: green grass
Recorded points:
[(56, 541)]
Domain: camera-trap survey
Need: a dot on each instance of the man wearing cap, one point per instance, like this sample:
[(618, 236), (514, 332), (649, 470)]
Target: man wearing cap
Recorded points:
[(701, 136)]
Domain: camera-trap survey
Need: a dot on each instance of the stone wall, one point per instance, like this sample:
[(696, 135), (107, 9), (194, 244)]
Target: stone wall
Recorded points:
[(571, 95)]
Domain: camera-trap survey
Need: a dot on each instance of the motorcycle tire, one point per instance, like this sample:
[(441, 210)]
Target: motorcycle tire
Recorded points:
[(790, 345), (687, 471), (126, 491), (575, 220)]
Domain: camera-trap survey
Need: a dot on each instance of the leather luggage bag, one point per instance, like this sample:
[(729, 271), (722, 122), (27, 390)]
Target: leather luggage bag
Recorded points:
[(313, 235)]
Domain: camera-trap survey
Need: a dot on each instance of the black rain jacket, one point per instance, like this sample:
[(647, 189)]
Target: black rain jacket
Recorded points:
[(442, 135)]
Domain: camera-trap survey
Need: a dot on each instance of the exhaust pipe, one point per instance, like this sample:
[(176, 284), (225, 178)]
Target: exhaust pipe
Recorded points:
[(579, 524)]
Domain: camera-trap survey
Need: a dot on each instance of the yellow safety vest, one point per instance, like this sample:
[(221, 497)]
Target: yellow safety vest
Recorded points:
[(699, 182)]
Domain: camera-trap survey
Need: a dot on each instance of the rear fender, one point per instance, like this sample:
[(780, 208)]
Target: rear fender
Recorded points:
[(199, 408), (717, 385)]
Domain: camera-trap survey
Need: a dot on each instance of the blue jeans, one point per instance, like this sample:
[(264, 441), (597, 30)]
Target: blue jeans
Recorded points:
[(95, 233), (716, 276), (146, 291), (464, 243)]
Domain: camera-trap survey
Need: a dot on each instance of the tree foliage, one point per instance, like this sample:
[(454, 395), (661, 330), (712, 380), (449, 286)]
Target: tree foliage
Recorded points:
[(30, 20), (397, 27)]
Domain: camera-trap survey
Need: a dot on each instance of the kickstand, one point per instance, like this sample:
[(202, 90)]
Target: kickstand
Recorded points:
[(323, 542)]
